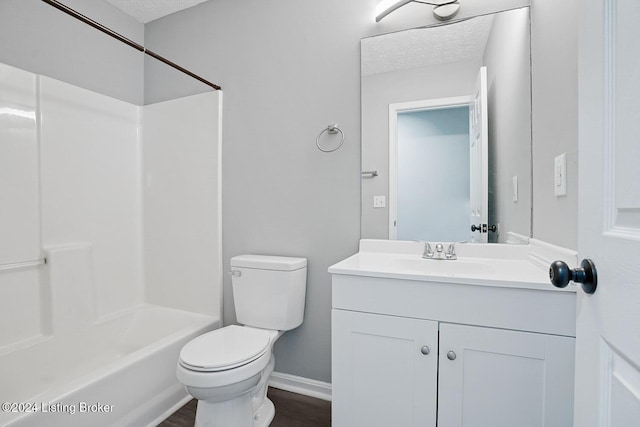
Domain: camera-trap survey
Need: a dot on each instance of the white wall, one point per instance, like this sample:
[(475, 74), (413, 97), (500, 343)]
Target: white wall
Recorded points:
[(20, 291), (90, 166), (182, 235), (75, 184), (72, 191), (19, 179)]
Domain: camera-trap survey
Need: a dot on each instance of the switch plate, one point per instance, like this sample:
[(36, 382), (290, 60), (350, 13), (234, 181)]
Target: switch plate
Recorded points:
[(379, 201), (515, 188), (560, 175)]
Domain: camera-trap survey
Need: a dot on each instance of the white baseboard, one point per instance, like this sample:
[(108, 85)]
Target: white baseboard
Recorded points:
[(301, 385)]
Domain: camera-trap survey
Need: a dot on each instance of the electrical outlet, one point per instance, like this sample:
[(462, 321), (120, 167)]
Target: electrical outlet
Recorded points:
[(379, 201)]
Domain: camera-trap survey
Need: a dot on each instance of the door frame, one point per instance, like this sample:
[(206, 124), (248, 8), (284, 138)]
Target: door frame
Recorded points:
[(394, 110)]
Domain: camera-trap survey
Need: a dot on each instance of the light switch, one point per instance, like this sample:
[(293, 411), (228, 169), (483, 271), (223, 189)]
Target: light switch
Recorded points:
[(560, 175), (379, 202), (515, 188)]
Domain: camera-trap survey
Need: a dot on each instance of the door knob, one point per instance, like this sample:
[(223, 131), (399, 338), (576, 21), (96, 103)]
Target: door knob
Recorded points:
[(560, 275), (451, 355), (425, 350), (475, 228)]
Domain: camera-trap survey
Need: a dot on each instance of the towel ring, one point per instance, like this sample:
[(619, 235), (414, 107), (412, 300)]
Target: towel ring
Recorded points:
[(332, 130)]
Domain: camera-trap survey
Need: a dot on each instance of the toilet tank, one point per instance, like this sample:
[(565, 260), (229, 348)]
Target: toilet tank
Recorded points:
[(269, 291)]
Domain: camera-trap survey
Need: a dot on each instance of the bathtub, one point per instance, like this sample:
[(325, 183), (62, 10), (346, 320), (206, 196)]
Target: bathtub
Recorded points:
[(120, 372)]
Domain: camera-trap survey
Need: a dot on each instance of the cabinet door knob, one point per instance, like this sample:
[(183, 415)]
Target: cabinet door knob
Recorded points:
[(451, 355), (425, 350)]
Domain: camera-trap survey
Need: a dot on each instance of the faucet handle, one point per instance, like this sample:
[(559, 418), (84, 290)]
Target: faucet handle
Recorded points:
[(439, 248), (451, 251), (428, 252)]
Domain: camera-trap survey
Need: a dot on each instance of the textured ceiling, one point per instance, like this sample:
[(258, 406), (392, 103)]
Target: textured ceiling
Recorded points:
[(148, 10), (422, 47)]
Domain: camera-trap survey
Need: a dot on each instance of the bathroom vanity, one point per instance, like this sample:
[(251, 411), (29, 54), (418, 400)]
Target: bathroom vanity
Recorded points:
[(484, 340)]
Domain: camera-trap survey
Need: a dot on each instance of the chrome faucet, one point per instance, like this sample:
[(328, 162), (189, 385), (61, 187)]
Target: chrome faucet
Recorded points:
[(439, 253)]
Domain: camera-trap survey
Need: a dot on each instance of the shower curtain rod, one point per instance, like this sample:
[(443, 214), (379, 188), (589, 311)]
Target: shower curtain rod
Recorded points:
[(110, 32)]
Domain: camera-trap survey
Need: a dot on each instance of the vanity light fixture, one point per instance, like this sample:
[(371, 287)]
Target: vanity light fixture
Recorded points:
[(442, 10)]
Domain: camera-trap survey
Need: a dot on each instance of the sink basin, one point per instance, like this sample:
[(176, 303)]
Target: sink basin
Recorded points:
[(442, 267)]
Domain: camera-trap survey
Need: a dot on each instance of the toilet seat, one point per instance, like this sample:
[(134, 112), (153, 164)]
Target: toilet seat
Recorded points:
[(225, 348)]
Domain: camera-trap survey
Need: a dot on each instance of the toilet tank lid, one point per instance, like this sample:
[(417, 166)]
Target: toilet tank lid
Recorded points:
[(269, 262)]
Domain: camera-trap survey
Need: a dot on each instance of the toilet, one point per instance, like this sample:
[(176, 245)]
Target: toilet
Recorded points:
[(227, 370)]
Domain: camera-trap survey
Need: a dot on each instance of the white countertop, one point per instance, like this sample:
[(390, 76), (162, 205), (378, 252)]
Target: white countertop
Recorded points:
[(500, 265)]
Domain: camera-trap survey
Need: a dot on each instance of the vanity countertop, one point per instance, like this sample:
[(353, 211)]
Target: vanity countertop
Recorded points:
[(501, 265)]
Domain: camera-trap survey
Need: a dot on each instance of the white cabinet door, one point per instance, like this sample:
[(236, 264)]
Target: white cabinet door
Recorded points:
[(500, 378), (380, 375)]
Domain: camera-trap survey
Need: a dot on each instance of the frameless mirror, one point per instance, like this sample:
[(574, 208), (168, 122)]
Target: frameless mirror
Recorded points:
[(446, 131)]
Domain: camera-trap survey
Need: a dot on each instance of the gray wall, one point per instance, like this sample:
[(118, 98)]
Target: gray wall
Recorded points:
[(288, 69), (39, 38), (554, 49), (508, 62), (378, 91)]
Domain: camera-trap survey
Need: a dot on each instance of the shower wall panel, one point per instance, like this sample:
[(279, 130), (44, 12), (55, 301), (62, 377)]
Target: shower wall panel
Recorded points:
[(90, 163)]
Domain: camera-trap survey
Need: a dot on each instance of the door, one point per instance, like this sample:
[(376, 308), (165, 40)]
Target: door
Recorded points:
[(499, 378), (479, 159), (607, 389), (384, 370)]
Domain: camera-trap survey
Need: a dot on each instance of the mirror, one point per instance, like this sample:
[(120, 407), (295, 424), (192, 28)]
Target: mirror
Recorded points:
[(421, 109)]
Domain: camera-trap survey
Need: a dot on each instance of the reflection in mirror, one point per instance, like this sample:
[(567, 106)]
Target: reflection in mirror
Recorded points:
[(421, 120), (431, 142)]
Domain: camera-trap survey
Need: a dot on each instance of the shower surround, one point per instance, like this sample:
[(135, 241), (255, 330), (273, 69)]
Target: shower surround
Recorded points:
[(123, 202)]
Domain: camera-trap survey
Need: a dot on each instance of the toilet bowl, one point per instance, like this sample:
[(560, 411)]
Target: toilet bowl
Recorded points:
[(228, 369), (224, 368)]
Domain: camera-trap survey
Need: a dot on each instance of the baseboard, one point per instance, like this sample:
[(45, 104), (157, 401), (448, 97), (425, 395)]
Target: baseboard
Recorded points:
[(300, 385)]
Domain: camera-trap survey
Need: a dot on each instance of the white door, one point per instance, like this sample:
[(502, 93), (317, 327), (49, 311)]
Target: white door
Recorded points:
[(607, 389), (479, 157)]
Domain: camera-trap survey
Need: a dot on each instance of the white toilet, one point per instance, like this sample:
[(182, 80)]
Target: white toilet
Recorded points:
[(227, 369)]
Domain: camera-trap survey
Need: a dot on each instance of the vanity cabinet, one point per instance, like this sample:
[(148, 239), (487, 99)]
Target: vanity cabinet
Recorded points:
[(412, 353)]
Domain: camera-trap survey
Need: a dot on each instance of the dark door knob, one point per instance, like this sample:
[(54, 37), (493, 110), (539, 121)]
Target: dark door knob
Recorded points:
[(475, 227), (560, 275)]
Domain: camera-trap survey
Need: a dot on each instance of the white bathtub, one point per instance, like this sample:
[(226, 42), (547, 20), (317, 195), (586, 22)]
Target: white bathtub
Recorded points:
[(121, 372)]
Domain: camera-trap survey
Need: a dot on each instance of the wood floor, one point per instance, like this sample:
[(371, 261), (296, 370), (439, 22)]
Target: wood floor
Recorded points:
[(292, 410)]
